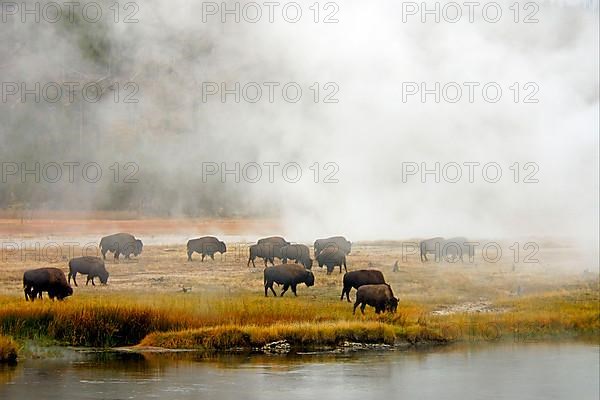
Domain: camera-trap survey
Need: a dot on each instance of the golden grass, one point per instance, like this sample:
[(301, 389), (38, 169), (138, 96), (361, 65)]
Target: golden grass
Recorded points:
[(213, 322), (144, 303), (302, 334), (8, 350)]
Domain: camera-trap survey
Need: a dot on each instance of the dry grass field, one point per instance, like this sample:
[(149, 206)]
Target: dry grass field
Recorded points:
[(144, 300)]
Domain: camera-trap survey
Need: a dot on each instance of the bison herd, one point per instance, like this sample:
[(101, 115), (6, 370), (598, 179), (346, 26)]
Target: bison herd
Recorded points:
[(370, 284)]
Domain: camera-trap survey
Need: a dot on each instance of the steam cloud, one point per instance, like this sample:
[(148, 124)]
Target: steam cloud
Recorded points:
[(369, 133)]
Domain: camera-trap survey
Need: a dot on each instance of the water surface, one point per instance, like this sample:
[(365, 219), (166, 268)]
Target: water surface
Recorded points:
[(505, 371)]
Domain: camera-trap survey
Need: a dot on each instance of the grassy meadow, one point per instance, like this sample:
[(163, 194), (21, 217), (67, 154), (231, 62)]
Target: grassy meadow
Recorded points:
[(144, 304)]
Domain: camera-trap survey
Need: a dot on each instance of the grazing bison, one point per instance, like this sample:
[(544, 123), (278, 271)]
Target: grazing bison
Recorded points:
[(379, 296), (93, 267), (264, 251), (431, 246), (121, 243), (356, 279), (51, 280), (207, 246), (299, 253), (331, 258), (288, 275), (338, 242)]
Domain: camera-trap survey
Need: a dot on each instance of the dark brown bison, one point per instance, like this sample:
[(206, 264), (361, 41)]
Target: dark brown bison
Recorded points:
[(356, 279), (299, 253), (379, 296), (93, 267), (288, 275), (331, 258), (121, 243), (51, 280), (207, 246), (266, 251), (337, 242)]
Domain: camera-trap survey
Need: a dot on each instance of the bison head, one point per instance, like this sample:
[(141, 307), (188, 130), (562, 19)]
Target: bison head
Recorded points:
[(64, 292), (222, 247), (138, 247), (308, 264), (310, 279), (103, 275), (392, 305)]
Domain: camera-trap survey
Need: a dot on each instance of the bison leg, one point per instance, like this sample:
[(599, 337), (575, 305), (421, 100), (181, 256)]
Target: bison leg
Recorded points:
[(26, 290), (269, 285), (212, 256), (103, 254), (74, 280), (203, 255), (347, 291), (285, 288), (362, 308), (189, 253), (355, 305), (116, 255), (294, 290)]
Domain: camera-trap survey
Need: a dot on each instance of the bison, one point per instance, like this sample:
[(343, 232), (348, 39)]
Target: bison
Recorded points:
[(431, 246), (299, 253), (93, 267), (51, 280), (207, 246), (288, 275), (379, 296), (332, 258), (356, 279), (121, 243), (338, 242), (264, 251)]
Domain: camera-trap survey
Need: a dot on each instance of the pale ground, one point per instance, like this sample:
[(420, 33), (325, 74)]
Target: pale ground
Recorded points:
[(445, 286)]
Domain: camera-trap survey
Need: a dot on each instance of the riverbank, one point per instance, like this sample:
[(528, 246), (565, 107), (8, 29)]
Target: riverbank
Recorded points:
[(224, 308), (247, 322)]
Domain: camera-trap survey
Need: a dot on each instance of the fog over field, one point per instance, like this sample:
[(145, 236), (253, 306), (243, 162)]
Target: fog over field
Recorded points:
[(371, 135)]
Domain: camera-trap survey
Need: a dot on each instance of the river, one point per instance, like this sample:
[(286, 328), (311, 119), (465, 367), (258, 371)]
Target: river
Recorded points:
[(512, 371)]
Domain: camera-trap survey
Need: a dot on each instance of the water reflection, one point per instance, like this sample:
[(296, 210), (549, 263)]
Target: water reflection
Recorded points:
[(508, 371)]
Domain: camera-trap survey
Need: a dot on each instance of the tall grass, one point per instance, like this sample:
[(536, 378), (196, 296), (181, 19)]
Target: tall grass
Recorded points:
[(252, 336), (213, 322), (8, 350)]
